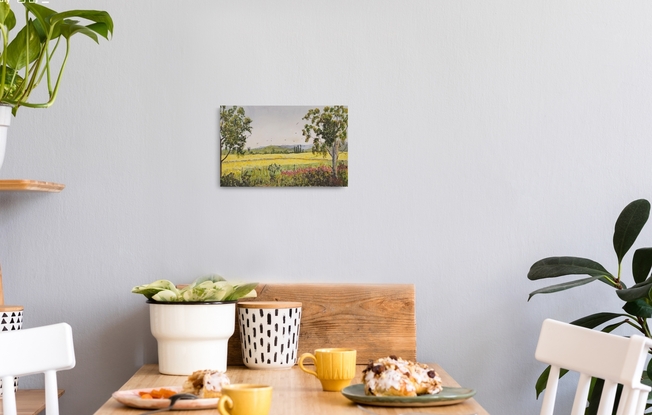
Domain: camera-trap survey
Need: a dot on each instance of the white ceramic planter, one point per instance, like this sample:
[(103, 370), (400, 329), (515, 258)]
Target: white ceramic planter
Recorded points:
[(5, 120), (192, 336)]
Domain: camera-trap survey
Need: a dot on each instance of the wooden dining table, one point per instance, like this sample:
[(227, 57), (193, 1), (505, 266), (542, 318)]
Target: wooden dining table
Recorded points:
[(294, 393)]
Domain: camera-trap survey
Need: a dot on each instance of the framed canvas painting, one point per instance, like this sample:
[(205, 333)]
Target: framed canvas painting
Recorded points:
[(284, 146)]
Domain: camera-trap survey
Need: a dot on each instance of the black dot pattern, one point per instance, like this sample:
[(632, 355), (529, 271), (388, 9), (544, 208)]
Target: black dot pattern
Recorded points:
[(10, 321), (269, 336)]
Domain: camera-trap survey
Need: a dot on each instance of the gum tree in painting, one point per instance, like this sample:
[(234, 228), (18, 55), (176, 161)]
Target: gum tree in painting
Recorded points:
[(235, 127), (328, 131)]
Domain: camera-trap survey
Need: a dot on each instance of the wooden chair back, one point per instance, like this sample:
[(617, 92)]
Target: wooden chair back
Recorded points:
[(592, 353), (375, 319)]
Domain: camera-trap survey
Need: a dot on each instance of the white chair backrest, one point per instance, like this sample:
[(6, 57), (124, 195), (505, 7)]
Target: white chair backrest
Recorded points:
[(615, 359), (46, 350)]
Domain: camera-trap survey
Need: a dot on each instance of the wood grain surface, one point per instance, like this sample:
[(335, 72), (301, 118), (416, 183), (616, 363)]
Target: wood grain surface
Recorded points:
[(294, 393), (30, 185), (375, 319), (30, 401)]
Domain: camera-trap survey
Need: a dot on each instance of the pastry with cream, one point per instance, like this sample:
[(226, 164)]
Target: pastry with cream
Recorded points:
[(206, 383), (393, 376)]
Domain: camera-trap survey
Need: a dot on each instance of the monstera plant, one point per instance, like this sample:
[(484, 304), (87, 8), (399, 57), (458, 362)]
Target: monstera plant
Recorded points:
[(637, 298), (27, 57)]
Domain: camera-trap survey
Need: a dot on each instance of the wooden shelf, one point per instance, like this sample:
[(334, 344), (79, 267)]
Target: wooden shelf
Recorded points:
[(30, 186)]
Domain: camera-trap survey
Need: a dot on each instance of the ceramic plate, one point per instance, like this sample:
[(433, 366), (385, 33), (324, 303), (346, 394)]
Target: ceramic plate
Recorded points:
[(132, 399), (448, 396)]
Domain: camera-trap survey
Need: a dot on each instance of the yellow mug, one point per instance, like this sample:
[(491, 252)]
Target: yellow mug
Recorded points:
[(245, 399), (335, 367)]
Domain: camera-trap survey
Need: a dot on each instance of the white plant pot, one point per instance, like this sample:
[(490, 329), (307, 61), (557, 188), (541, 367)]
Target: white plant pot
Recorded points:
[(192, 336), (5, 120)]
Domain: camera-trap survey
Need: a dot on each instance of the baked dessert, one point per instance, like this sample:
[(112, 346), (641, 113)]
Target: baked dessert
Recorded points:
[(206, 383), (393, 376)]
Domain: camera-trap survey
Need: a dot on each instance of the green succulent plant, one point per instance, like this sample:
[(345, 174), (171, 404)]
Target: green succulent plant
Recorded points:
[(637, 307), (28, 57), (204, 289)]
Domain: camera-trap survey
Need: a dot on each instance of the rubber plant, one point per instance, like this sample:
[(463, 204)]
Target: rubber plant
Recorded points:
[(27, 57), (637, 298)]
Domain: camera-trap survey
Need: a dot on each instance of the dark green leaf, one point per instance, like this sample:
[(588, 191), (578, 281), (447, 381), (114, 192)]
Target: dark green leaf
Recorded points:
[(629, 225), (16, 52), (638, 308), (594, 320), (595, 393), (594, 396), (642, 264), (558, 266), (542, 382), (640, 290), (563, 286), (612, 327), (646, 379)]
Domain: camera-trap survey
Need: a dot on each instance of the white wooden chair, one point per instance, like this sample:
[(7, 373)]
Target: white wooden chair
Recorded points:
[(46, 350), (616, 359)]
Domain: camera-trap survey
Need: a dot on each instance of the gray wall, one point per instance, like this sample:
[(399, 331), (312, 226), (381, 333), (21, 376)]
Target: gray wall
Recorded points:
[(483, 137)]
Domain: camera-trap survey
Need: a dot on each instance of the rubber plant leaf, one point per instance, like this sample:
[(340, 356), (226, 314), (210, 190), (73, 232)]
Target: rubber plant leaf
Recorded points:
[(640, 290), (16, 49), (612, 327), (563, 286), (638, 308), (595, 394), (629, 225), (542, 381), (594, 320), (559, 266), (642, 264)]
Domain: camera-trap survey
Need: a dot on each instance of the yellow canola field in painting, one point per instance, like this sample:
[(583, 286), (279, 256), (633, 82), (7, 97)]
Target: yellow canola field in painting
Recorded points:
[(286, 161)]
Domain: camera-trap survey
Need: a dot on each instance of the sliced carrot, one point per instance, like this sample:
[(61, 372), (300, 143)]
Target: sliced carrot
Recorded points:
[(166, 393)]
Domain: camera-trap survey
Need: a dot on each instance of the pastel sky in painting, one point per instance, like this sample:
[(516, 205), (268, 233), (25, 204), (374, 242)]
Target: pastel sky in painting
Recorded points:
[(276, 125)]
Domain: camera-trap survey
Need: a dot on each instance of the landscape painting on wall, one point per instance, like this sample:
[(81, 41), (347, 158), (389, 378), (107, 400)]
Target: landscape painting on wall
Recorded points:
[(284, 146)]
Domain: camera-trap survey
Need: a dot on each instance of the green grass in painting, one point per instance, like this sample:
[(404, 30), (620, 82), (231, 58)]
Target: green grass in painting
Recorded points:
[(283, 170)]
